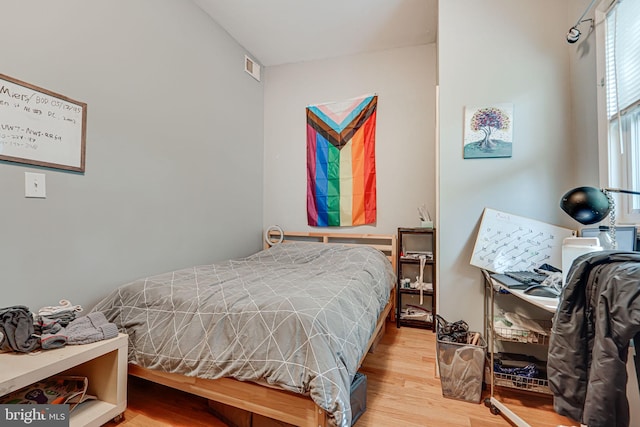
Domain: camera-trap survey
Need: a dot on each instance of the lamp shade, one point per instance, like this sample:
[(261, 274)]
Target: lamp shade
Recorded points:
[(587, 205)]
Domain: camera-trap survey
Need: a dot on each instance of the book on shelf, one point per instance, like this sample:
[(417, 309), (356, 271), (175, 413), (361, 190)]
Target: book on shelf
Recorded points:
[(59, 389)]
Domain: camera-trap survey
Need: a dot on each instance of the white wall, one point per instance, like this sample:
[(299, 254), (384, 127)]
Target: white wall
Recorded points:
[(173, 151), (490, 52), (583, 80), (404, 80)]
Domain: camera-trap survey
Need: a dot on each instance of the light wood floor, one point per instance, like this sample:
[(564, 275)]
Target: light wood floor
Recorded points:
[(402, 390)]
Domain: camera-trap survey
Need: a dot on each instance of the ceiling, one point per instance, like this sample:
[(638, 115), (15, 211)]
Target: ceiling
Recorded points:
[(278, 32)]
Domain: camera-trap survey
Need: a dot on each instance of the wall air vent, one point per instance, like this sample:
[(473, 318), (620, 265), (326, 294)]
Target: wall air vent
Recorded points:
[(251, 67)]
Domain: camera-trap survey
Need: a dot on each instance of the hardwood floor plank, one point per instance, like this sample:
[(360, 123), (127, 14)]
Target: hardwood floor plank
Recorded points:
[(402, 390)]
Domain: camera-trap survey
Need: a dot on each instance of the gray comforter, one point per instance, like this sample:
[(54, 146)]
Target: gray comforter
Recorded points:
[(297, 316)]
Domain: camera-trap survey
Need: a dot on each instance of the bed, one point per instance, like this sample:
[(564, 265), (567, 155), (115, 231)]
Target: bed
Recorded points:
[(280, 333)]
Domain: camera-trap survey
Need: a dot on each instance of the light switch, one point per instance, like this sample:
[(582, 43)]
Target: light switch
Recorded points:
[(34, 185)]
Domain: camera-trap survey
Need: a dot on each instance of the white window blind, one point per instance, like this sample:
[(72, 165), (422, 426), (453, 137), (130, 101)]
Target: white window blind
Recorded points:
[(623, 56), (621, 46)]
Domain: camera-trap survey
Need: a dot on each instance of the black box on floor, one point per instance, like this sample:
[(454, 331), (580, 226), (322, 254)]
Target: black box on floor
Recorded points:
[(240, 418), (358, 396)]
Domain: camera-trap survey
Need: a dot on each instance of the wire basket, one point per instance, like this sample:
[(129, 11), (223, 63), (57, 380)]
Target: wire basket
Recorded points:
[(511, 334), (461, 364), (538, 385)]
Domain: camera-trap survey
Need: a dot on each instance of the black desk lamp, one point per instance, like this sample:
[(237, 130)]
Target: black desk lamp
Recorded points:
[(589, 205)]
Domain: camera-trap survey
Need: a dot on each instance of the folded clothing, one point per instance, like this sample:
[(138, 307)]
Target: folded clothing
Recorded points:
[(65, 306), (529, 371), (17, 330), (524, 323), (45, 325), (63, 317), (57, 340), (90, 328), (63, 313)]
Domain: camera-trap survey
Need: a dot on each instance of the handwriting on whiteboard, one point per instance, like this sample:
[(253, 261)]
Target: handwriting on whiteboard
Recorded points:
[(40, 127), (507, 242)]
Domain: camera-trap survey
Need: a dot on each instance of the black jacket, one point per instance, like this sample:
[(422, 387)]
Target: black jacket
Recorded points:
[(598, 314)]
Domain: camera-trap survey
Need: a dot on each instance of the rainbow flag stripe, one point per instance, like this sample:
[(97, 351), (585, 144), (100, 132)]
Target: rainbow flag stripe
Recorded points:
[(341, 163)]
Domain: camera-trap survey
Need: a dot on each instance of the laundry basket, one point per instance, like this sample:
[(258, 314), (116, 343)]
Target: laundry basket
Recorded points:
[(461, 357)]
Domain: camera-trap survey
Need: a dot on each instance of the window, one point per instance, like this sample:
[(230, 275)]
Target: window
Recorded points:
[(619, 44)]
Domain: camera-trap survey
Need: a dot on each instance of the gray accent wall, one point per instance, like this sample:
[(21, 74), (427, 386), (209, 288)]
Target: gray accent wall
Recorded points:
[(174, 158)]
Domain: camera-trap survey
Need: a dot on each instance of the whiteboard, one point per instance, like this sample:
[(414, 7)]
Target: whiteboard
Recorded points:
[(40, 127), (508, 242)]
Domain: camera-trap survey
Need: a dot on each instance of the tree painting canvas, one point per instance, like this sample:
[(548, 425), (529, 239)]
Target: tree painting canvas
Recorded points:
[(488, 131)]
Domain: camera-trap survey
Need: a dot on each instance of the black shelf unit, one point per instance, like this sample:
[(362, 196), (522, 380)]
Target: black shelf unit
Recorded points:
[(412, 243)]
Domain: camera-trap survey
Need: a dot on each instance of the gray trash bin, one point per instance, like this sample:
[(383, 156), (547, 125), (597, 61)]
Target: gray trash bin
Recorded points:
[(461, 366)]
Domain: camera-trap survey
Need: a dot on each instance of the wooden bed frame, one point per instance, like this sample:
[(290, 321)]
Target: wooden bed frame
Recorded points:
[(281, 405)]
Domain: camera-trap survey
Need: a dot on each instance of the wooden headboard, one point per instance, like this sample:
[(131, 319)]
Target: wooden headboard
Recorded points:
[(386, 243)]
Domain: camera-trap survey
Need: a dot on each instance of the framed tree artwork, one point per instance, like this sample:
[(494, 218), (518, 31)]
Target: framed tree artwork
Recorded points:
[(488, 131)]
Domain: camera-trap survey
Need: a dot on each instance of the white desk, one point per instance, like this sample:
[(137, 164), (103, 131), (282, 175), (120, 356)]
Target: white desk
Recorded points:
[(548, 304)]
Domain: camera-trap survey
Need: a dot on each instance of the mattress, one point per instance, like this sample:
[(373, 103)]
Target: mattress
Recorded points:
[(297, 316)]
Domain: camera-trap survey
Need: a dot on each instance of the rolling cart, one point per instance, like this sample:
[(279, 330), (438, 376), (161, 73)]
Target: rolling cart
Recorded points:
[(549, 305)]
